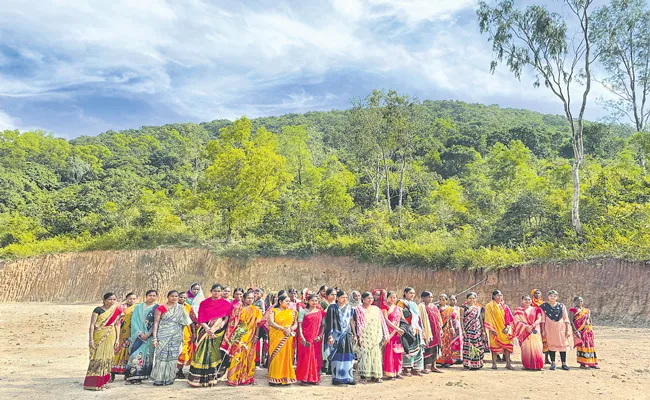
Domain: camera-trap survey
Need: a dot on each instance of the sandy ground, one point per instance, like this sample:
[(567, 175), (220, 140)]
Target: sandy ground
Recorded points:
[(44, 357)]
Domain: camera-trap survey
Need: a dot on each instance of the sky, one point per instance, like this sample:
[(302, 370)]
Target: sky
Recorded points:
[(84, 67)]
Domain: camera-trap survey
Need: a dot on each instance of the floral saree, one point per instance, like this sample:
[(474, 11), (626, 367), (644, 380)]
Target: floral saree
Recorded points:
[(124, 342), (101, 356), (141, 358), (240, 341), (413, 356)]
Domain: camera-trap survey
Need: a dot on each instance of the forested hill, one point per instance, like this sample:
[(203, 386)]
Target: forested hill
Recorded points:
[(438, 184)]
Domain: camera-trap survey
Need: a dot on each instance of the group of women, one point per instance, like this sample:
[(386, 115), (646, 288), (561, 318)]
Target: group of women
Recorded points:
[(378, 335)]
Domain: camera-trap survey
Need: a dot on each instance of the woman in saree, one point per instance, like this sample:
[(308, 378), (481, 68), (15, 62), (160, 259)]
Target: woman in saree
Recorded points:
[(233, 323), (474, 335), (124, 342), (240, 341), (556, 327), (527, 331), (170, 319), (212, 321), (413, 357), (372, 332), (431, 331), (283, 323), (458, 343), (538, 300), (140, 362), (103, 339), (580, 317), (341, 334), (190, 300), (498, 322), (310, 336), (393, 350)]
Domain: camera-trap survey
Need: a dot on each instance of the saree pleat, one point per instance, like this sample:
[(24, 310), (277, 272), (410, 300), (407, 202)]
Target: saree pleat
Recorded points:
[(170, 342), (140, 361), (473, 344), (310, 359), (241, 347), (124, 342), (101, 357), (586, 350), (281, 348)]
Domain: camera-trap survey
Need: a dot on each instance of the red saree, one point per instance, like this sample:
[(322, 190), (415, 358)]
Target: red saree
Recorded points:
[(310, 359), (587, 349), (532, 356)]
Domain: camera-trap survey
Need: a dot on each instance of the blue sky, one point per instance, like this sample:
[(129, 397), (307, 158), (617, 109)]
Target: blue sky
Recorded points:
[(83, 67)]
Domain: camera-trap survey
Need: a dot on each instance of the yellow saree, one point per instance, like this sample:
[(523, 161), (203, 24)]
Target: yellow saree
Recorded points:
[(124, 342), (101, 355), (281, 349)]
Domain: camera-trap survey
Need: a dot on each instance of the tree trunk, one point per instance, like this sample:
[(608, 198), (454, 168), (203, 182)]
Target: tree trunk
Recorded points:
[(386, 170), (401, 182), (575, 201)]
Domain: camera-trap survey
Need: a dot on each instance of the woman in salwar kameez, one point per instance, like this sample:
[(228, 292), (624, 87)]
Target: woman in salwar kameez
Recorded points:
[(557, 328), (527, 331), (170, 320), (372, 332), (104, 325), (340, 333), (140, 362), (580, 317), (392, 363), (282, 323), (212, 320), (310, 336), (431, 331), (413, 357), (124, 340), (240, 341), (474, 335)]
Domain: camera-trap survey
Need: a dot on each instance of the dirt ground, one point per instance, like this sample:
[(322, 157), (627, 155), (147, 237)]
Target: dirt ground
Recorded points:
[(44, 356)]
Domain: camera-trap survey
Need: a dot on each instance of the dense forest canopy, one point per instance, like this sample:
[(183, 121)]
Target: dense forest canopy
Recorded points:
[(441, 184)]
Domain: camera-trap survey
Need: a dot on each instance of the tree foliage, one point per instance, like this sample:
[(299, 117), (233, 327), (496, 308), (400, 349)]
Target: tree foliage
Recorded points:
[(480, 186)]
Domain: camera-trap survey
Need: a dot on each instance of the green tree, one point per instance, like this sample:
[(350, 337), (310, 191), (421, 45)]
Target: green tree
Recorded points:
[(246, 174), (621, 35), (540, 40)]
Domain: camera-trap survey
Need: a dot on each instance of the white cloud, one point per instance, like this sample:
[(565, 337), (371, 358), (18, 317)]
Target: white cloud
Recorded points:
[(7, 121), (207, 60)]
